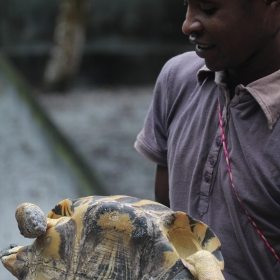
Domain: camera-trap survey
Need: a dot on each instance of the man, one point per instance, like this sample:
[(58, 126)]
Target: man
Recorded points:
[(236, 65)]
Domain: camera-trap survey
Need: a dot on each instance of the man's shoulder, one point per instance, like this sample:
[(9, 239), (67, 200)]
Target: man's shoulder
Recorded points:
[(188, 61), (183, 66)]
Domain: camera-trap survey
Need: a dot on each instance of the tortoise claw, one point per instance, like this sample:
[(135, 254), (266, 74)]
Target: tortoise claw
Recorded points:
[(3, 253), (8, 251), (13, 245)]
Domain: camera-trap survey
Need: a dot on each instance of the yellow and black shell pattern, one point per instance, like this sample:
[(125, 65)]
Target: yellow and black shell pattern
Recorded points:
[(115, 238), (121, 237)]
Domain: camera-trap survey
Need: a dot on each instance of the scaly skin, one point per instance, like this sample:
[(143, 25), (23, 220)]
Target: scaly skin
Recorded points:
[(31, 220), (204, 266)]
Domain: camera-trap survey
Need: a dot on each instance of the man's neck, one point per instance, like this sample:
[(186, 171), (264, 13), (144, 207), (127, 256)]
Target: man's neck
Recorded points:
[(254, 70)]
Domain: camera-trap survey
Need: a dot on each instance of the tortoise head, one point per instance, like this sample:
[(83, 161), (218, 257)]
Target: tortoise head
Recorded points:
[(113, 237)]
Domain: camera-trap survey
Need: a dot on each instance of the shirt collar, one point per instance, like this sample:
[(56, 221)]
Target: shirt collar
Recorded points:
[(266, 91)]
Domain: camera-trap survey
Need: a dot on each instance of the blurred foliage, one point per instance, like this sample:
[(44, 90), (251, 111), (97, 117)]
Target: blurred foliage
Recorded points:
[(127, 41), (68, 48), (32, 21), (145, 19), (27, 22)]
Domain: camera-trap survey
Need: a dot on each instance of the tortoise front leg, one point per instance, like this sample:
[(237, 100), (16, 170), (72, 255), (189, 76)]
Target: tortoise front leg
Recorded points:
[(31, 220), (204, 266)]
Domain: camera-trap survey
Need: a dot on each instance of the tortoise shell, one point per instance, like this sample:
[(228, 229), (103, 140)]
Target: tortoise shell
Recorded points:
[(113, 237)]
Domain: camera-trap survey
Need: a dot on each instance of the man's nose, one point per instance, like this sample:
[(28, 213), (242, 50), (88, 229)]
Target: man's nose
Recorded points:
[(191, 23)]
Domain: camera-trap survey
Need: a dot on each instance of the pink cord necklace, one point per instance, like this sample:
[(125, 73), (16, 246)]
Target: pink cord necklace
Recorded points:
[(233, 186)]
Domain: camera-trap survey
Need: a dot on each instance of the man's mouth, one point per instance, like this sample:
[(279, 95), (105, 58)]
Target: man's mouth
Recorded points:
[(199, 46), (204, 47)]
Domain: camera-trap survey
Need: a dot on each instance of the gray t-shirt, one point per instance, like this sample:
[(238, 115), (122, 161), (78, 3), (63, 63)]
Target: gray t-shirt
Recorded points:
[(181, 131)]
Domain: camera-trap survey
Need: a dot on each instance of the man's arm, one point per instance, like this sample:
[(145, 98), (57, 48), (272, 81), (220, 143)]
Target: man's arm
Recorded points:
[(162, 185)]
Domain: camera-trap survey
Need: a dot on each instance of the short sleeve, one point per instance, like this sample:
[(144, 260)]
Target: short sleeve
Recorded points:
[(152, 140)]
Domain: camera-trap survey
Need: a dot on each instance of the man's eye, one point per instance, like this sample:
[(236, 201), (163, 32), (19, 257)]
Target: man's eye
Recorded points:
[(209, 11)]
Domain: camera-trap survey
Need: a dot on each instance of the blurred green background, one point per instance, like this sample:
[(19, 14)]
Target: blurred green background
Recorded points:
[(127, 41)]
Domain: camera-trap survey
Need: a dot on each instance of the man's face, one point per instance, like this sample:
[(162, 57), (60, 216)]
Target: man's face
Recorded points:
[(227, 33)]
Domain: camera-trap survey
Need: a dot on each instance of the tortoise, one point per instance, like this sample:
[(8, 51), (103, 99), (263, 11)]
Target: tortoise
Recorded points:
[(113, 237)]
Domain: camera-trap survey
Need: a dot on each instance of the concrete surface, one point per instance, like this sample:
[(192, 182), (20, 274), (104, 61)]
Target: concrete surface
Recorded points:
[(102, 124)]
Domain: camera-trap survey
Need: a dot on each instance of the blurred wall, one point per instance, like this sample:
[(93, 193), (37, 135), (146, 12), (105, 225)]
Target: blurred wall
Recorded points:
[(127, 40)]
